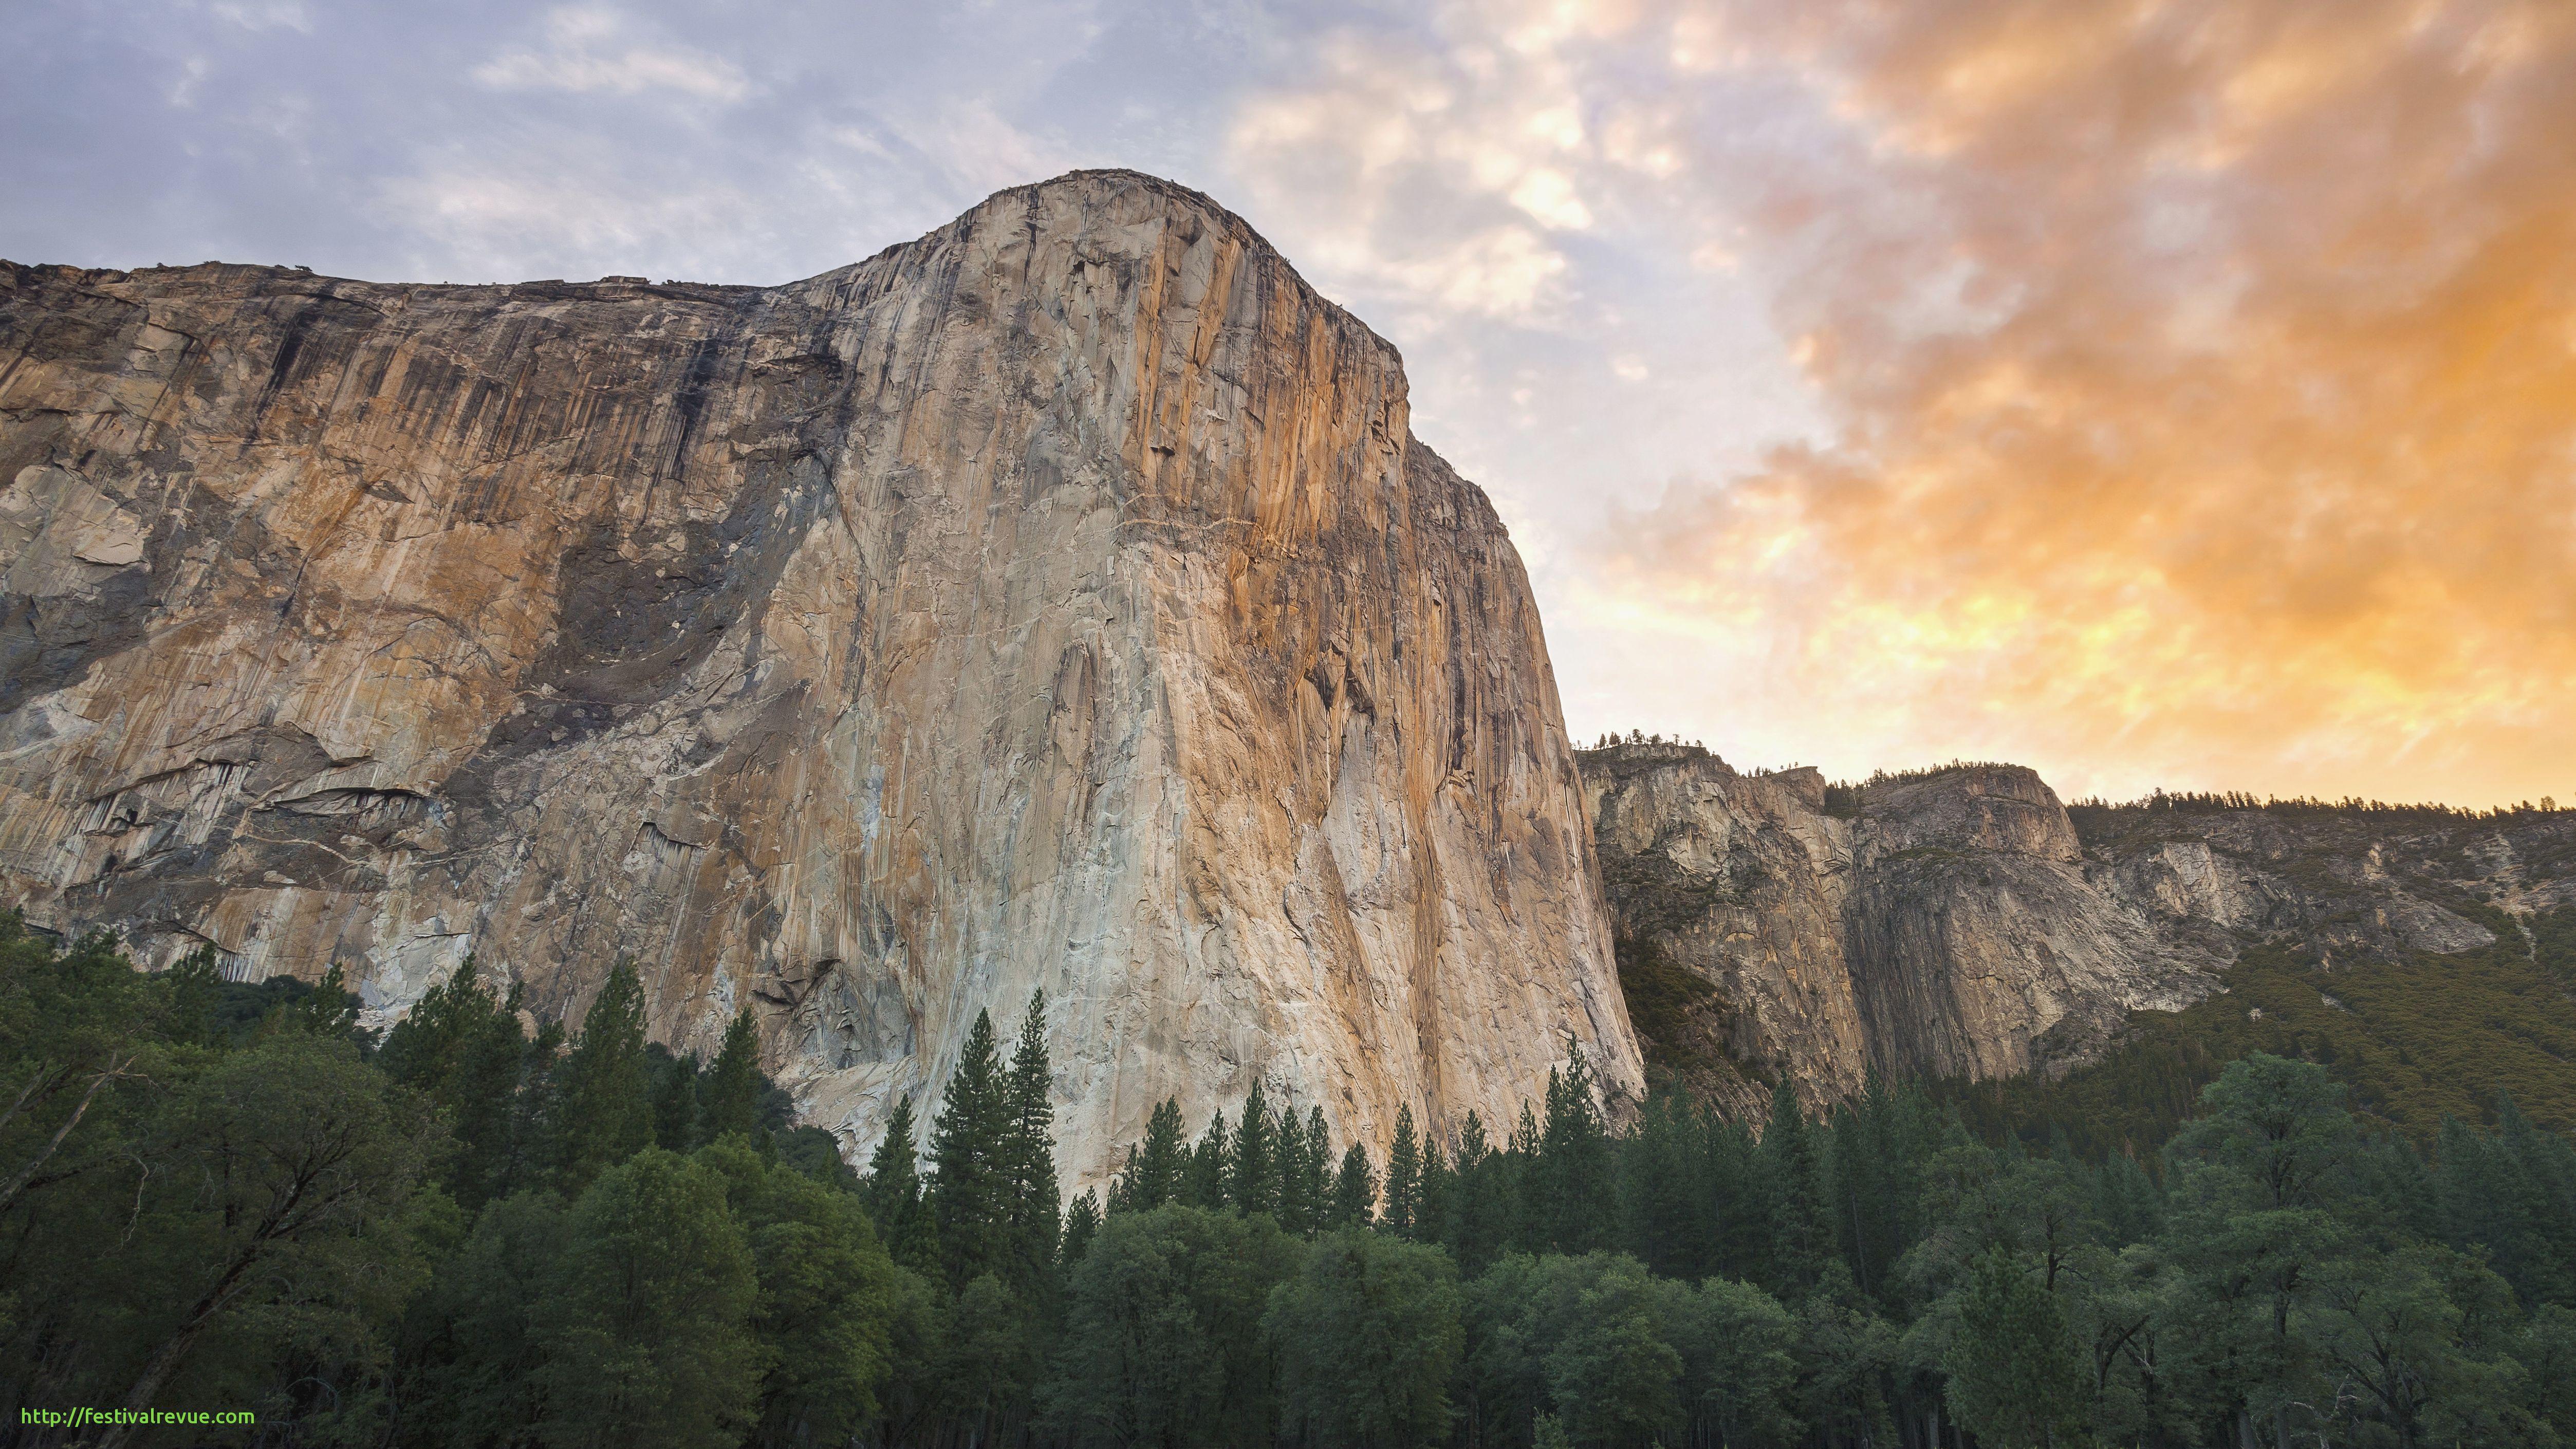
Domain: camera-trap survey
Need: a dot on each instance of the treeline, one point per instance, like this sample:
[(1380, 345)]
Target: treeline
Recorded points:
[(220, 1196), (2188, 802)]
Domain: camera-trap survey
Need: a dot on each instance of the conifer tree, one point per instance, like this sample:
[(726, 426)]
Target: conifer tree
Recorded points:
[(892, 1194), (971, 1182), (329, 1009), (675, 1100), (1250, 1177), (1788, 1157), (1354, 1191), (1480, 1209), (1315, 1170), (468, 1052), (1152, 1176), (604, 1115), (1081, 1225), (1524, 1185), (1203, 1183), (1575, 1163), (1431, 1201), (731, 1099), (1403, 1176), (1028, 1155), (1290, 1204)]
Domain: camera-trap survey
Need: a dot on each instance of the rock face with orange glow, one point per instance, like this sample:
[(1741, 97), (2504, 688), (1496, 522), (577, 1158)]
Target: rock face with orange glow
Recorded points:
[(1057, 601)]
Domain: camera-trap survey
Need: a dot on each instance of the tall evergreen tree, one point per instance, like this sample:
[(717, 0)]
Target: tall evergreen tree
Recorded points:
[(675, 1098), (732, 1089), (892, 1194), (1438, 1190), (604, 1114), (1480, 1208), (1799, 1235), (1028, 1156), (467, 1051), (1403, 1177), (1251, 1177), (1315, 1170), (1203, 1183), (1522, 1170), (1154, 1171), (1290, 1203), (1574, 1169), (1354, 1191), (970, 1185), (1081, 1225)]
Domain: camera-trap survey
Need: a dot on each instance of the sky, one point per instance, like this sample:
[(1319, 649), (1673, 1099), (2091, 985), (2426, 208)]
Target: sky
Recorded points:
[(2163, 394)]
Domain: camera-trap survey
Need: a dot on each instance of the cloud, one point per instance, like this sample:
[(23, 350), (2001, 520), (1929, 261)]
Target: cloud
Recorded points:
[(2206, 407), (588, 50), (2199, 379)]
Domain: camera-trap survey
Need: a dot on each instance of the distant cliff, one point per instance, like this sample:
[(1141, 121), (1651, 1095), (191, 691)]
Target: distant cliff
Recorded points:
[(1956, 922), (1059, 600)]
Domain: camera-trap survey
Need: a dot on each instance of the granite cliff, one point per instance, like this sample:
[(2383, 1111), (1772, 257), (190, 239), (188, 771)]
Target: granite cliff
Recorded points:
[(1060, 600), (1962, 922)]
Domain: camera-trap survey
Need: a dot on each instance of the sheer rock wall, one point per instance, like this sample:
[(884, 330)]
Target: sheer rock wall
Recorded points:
[(1058, 600)]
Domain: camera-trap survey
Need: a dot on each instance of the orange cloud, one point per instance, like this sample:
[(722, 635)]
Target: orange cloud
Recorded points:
[(2203, 379)]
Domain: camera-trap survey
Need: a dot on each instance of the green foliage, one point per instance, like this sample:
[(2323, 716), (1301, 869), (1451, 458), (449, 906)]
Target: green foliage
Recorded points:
[(1029, 1220), (730, 1100), (826, 1297), (1354, 1191), (1367, 1335), (893, 1194), (217, 1196), (603, 1113), (2415, 1040), (648, 1324), (2017, 1375), (1162, 1340), (969, 1193)]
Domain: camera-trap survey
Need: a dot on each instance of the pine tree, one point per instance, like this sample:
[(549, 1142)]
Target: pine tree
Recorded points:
[(1028, 1156), (1315, 1170), (675, 1100), (1354, 1191), (1154, 1171), (1249, 1179), (1525, 1188), (732, 1089), (1480, 1209), (1574, 1170), (1403, 1176), (1438, 1190), (604, 1115), (1798, 1235), (468, 1052), (1081, 1225), (1291, 1205), (1203, 1183), (329, 1009), (971, 1183), (892, 1194)]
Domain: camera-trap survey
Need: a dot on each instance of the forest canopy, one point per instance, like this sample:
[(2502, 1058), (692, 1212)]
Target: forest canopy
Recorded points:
[(218, 1195)]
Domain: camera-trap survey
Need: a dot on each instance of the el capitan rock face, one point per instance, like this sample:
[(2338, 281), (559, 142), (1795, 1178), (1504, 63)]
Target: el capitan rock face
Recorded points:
[(1058, 600)]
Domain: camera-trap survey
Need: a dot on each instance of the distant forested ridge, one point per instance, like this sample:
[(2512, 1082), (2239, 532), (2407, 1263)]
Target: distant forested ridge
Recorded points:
[(223, 1196)]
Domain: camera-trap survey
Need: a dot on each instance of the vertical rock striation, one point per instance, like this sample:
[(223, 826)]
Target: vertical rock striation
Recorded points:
[(1059, 600)]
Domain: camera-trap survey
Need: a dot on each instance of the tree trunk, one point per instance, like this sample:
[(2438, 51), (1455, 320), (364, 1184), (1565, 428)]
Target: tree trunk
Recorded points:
[(18, 1184)]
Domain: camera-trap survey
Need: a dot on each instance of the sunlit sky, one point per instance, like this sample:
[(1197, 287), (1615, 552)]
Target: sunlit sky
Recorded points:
[(2174, 394)]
